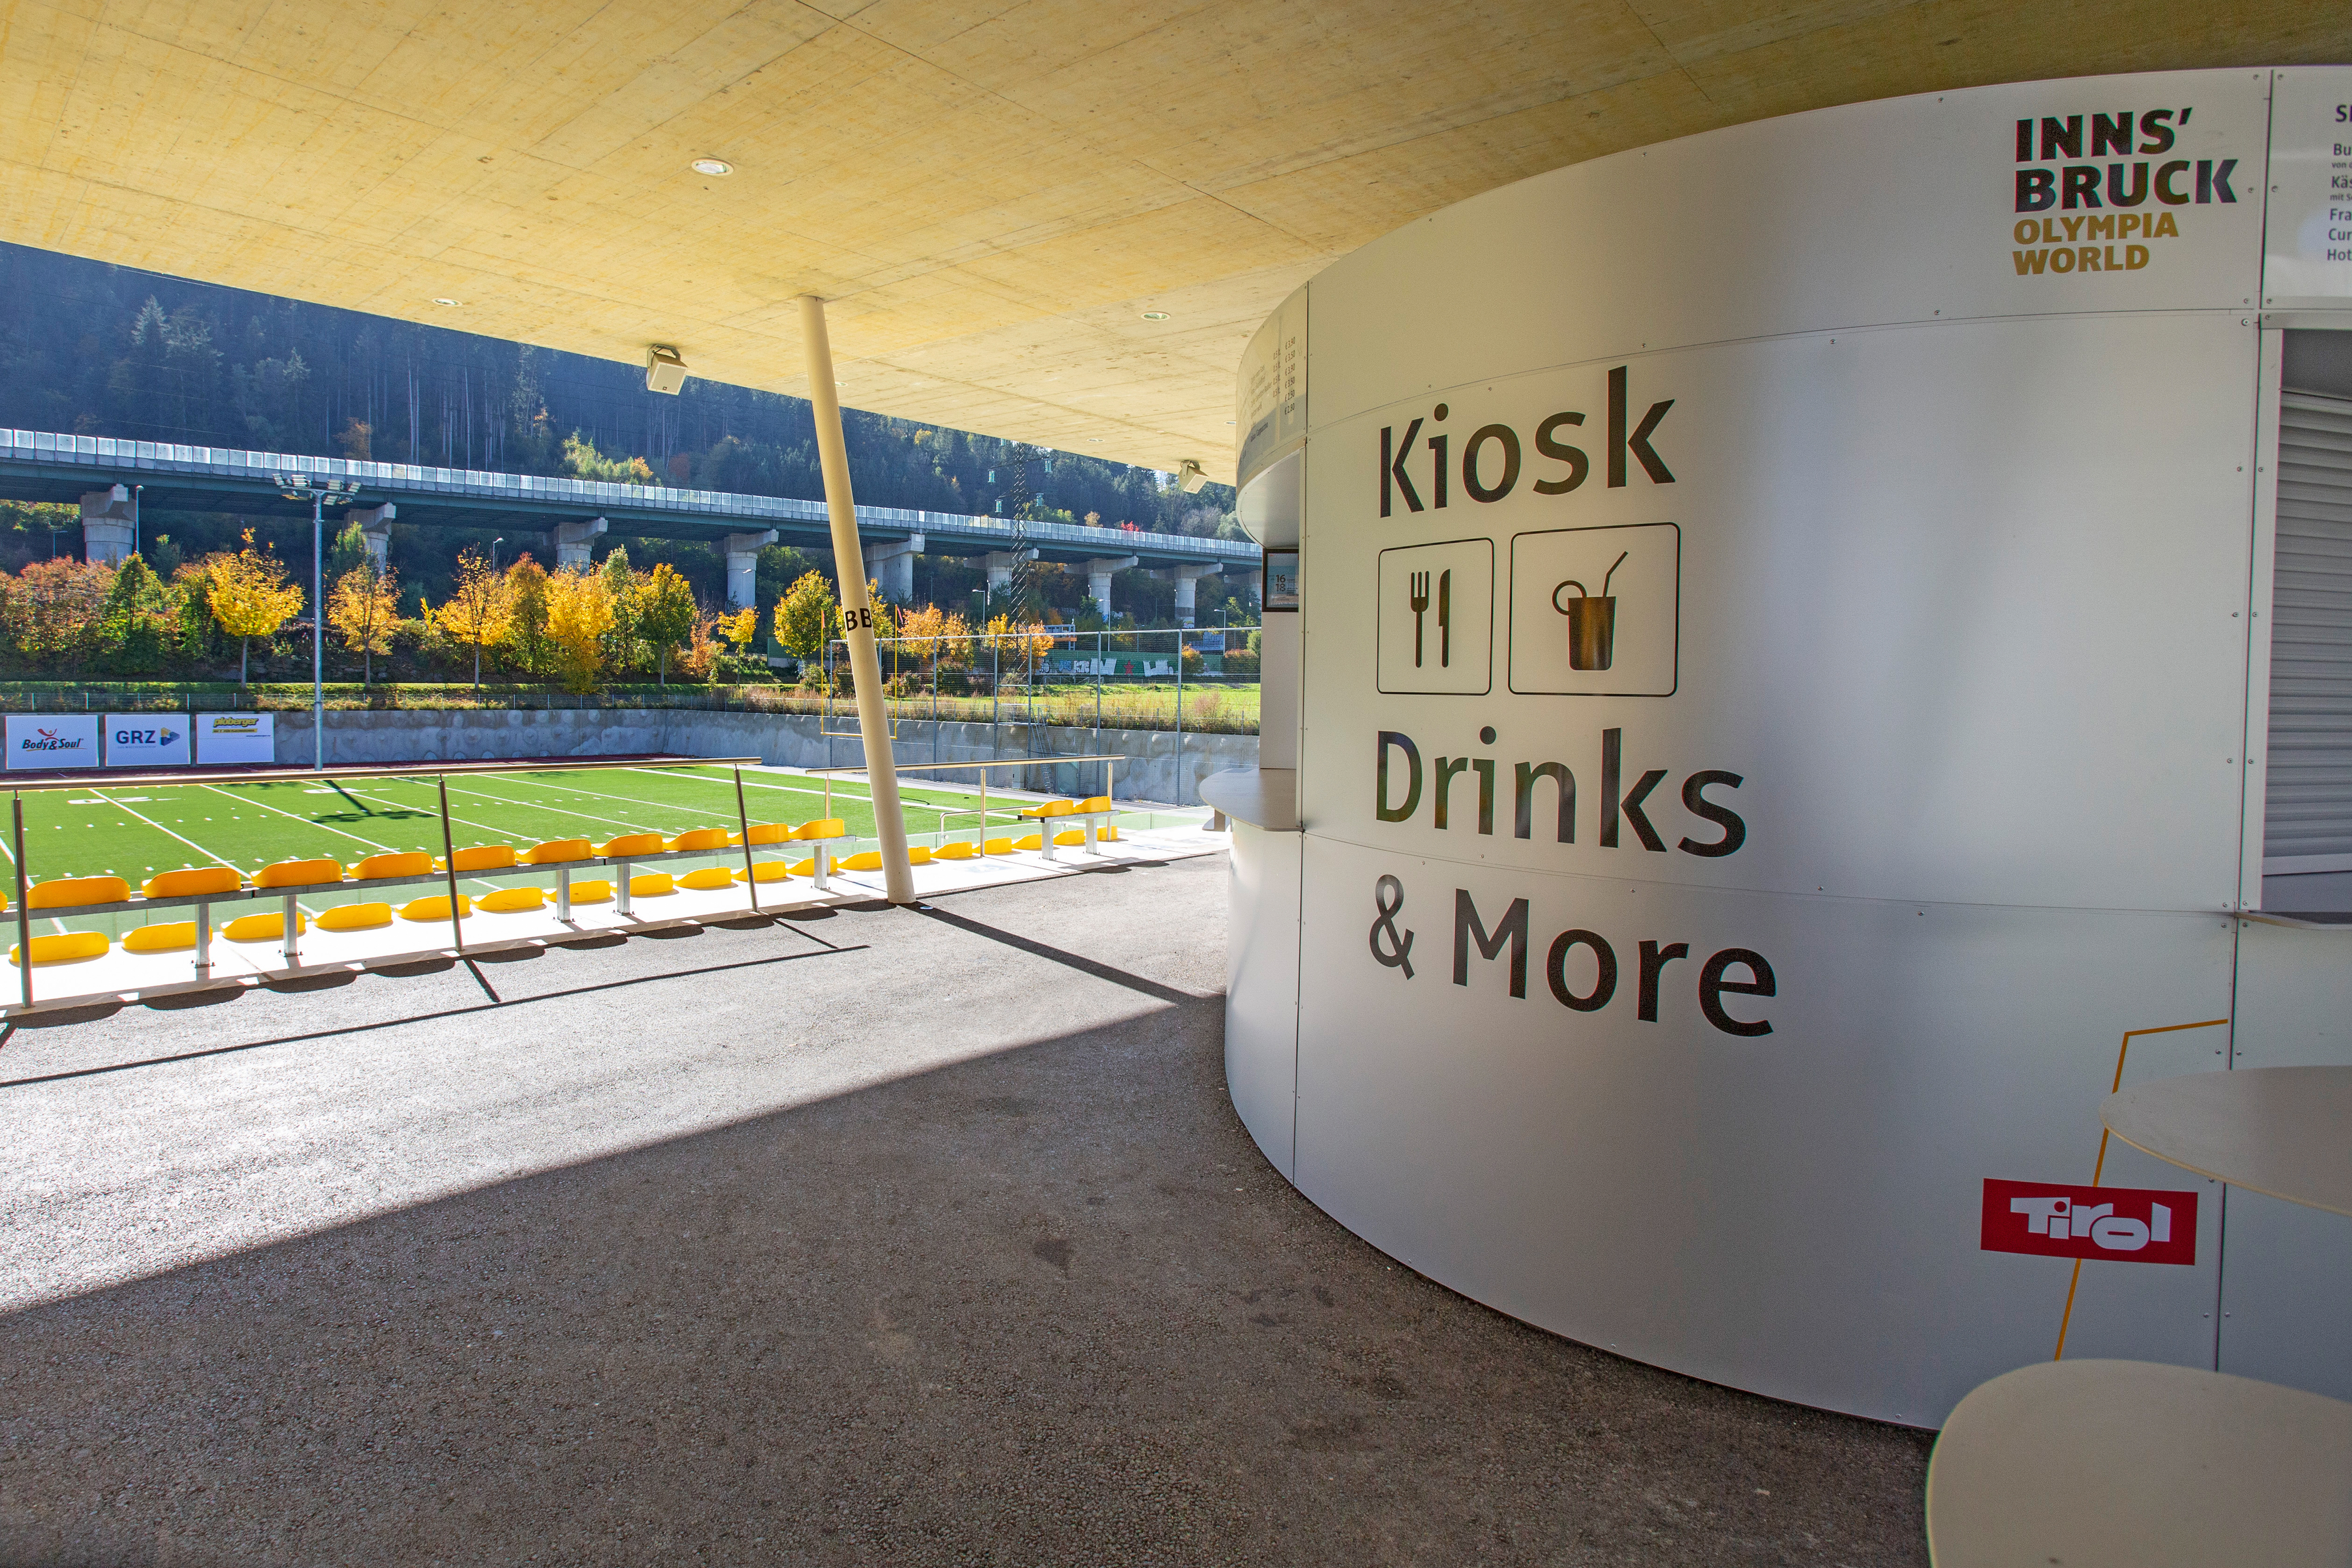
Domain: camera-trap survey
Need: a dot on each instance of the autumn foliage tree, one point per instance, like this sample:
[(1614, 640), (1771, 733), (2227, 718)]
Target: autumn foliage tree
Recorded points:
[(806, 619), (665, 614), (249, 597), (476, 613), (363, 605), (527, 601), (579, 619)]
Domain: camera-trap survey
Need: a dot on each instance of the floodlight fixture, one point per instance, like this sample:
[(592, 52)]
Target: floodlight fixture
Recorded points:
[(1189, 475), (664, 370)]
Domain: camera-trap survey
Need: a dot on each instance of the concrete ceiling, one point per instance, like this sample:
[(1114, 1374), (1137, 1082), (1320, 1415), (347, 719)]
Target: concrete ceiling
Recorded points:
[(991, 193)]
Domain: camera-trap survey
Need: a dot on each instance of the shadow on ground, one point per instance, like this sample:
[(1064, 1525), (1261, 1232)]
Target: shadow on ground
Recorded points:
[(1047, 1306)]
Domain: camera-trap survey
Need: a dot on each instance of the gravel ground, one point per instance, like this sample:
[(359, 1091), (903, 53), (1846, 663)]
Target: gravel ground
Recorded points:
[(886, 1237)]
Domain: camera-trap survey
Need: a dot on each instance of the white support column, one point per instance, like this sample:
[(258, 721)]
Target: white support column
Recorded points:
[(891, 563), (1098, 579), (999, 563), (744, 567), (1185, 575), (573, 540), (857, 607), (106, 524), (375, 528)]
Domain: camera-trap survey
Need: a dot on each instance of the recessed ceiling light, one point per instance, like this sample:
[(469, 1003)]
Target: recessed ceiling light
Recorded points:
[(441, 302), (1155, 315), (712, 166)]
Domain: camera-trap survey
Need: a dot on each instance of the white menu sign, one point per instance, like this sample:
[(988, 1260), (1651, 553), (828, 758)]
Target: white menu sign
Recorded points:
[(2307, 248)]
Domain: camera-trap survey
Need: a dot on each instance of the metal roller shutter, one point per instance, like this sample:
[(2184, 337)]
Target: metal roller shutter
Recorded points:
[(2307, 815)]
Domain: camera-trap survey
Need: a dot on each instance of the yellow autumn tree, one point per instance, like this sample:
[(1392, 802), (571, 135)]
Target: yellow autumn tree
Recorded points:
[(363, 605), (249, 597), (739, 629), (476, 612), (579, 614), (664, 617)]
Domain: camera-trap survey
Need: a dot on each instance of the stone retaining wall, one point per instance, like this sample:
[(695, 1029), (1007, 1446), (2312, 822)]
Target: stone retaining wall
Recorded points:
[(793, 740)]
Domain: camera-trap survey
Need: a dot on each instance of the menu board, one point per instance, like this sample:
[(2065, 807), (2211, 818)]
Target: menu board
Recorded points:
[(2307, 248), (1270, 400)]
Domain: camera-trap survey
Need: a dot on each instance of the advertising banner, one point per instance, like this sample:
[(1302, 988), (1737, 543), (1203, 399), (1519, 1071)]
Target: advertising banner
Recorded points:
[(52, 740), (146, 739), (236, 737)]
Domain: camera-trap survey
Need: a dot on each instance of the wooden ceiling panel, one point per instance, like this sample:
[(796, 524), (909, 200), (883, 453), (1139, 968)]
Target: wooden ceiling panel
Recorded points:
[(992, 191)]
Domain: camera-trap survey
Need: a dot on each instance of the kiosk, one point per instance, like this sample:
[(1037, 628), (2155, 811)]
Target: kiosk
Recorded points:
[(1819, 648)]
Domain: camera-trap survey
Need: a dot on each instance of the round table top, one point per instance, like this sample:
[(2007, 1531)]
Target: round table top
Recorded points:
[(2286, 1131), (2098, 1463)]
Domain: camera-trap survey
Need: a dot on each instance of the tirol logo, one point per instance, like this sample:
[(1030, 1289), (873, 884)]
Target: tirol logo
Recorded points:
[(2094, 173), (2129, 1224), (46, 740)]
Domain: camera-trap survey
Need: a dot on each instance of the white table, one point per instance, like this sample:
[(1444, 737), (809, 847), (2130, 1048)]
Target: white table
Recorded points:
[(2122, 1464), (2286, 1131)]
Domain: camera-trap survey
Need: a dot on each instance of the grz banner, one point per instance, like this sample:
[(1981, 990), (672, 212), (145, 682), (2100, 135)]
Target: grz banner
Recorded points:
[(2124, 1224), (146, 739), (44, 741), (236, 737)]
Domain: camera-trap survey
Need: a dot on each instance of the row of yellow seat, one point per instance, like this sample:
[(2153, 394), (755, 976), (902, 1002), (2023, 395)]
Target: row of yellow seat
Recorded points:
[(74, 892)]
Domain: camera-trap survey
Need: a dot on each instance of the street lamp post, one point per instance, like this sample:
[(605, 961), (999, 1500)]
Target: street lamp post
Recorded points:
[(299, 487), (502, 539)]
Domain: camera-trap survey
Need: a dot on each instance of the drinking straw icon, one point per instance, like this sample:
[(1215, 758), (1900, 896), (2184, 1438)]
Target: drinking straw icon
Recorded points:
[(1591, 621)]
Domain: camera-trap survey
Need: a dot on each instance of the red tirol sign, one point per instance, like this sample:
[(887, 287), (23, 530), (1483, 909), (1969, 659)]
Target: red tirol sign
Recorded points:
[(2123, 1225)]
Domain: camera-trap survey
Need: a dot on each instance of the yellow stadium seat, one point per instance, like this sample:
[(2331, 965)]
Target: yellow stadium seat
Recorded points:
[(414, 863), (822, 827), (195, 879), (435, 907), (1067, 838), (67, 892), (769, 871), (597, 893), (1102, 833), (1095, 802), (171, 938), (957, 851), (917, 855), (864, 861), (65, 947), (355, 917), (511, 900), (1035, 841), (700, 838), (263, 928), (557, 851), (805, 867), (997, 846), (1051, 808), (709, 877), (764, 833), (299, 874), (651, 885), (629, 844), (481, 857)]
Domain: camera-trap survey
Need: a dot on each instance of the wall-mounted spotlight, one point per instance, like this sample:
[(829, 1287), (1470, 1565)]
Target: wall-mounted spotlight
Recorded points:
[(1189, 477), (664, 371)]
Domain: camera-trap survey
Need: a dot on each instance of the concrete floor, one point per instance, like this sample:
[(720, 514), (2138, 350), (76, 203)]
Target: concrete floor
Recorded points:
[(884, 1237)]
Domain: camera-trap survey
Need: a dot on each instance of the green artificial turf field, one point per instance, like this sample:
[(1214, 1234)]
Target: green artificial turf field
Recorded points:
[(126, 830)]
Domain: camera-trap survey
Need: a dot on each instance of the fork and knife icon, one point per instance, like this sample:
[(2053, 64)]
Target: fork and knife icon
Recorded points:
[(1419, 601)]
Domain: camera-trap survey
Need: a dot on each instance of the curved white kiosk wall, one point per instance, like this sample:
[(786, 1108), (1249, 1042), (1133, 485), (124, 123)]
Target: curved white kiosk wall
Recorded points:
[(1781, 618)]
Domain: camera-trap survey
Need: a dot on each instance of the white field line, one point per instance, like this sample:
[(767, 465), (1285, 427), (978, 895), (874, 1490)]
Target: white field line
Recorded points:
[(567, 811), (483, 826), (307, 821)]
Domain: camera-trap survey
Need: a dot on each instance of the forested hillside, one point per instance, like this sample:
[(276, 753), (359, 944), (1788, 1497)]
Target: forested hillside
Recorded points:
[(106, 351)]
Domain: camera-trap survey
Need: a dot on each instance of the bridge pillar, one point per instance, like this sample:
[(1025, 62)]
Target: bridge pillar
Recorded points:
[(1185, 575), (573, 540), (106, 524), (891, 563), (744, 567), (1098, 581), (375, 528), (1000, 564)]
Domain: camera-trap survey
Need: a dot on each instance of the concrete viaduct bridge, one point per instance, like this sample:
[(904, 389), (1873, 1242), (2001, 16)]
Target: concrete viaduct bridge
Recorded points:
[(113, 479)]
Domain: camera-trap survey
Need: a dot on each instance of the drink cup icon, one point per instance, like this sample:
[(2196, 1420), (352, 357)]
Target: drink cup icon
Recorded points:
[(1591, 621)]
